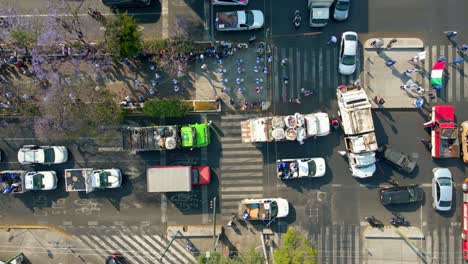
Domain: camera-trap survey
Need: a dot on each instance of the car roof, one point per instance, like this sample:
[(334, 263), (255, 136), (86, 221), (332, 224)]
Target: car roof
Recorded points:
[(400, 194), (350, 46), (446, 193)]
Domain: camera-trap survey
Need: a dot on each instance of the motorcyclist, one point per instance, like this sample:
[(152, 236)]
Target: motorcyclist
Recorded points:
[(297, 19), (335, 123)]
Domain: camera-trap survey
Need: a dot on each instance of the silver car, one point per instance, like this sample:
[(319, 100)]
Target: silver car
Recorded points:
[(341, 10), (442, 189)]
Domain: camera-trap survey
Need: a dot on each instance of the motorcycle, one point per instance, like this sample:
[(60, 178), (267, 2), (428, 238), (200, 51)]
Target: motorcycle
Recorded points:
[(374, 222), (297, 19), (399, 220)]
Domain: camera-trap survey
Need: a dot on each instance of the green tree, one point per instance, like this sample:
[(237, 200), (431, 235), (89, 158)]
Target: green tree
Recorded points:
[(166, 108), (23, 38), (248, 257), (123, 38), (295, 249)]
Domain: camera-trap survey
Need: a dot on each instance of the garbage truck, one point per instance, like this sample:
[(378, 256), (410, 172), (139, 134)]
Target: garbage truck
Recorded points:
[(88, 179), (20, 181), (168, 137), (358, 127)]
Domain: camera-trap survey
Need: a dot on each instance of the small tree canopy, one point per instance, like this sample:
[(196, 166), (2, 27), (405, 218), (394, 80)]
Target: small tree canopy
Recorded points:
[(123, 38), (248, 257), (166, 108), (295, 249)]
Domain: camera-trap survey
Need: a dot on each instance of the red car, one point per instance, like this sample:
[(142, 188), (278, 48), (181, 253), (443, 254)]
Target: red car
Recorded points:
[(444, 132)]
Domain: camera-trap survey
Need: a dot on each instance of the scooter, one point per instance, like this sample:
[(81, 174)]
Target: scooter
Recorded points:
[(399, 220), (374, 222), (297, 19)]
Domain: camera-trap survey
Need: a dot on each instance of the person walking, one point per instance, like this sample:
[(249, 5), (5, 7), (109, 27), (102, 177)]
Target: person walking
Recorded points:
[(457, 61), (410, 71), (390, 63), (419, 102), (463, 48), (333, 40), (283, 62), (451, 34)]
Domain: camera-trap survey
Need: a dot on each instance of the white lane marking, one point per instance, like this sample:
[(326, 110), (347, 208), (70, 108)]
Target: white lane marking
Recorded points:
[(137, 253), (161, 249)]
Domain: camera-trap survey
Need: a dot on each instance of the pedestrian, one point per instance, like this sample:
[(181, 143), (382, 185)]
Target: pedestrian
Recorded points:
[(204, 66), (419, 102), (201, 57), (141, 99), (390, 63), (221, 72), (258, 80), (224, 90), (405, 87), (239, 62), (174, 81), (286, 79), (265, 70), (374, 44), (219, 62), (451, 34), (224, 81), (341, 87), (438, 87), (157, 76), (137, 83), (152, 67), (270, 59), (283, 62), (239, 80), (379, 100), (153, 83), (457, 60), (128, 99), (240, 70), (176, 88), (390, 44), (256, 69), (152, 92), (342, 152), (257, 60), (241, 90), (441, 59), (257, 90), (463, 48), (332, 40), (127, 62), (252, 39), (210, 122)]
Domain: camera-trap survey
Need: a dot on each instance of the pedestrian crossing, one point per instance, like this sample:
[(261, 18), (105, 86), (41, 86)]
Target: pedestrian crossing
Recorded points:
[(314, 69), (444, 245), (456, 76), (241, 167), (138, 247), (338, 244)]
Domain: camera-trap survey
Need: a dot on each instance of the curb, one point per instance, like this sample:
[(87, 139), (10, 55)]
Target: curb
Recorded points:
[(401, 43), (50, 228)]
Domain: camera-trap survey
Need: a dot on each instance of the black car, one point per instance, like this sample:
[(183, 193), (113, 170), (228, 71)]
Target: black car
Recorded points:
[(395, 158), (127, 3), (401, 195)]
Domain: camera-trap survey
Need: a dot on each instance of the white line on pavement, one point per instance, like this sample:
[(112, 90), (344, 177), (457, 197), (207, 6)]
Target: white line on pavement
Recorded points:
[(82, 15)]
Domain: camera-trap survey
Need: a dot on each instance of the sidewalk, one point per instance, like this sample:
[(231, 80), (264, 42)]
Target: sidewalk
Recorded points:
[(378, 79)]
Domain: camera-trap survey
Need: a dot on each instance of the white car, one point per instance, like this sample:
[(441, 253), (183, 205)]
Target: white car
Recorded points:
[(230, 2), (348, 53), (32, 154), (40, 180), (341, 10), (442, 189), (299, 168), (239, 20), (108, 178)]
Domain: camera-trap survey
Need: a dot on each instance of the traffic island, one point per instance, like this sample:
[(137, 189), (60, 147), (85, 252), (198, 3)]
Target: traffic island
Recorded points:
[(393, 245), (381, 78)]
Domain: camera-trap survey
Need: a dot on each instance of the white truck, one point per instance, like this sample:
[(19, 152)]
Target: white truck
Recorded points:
[(79, 180), (319, 12), (282, 128), (19, 181), (358, 126)]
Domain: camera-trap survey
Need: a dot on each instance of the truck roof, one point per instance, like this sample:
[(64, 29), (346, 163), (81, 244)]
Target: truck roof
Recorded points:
[(355, 110), (78, 180), (169, 179), (197, 135)]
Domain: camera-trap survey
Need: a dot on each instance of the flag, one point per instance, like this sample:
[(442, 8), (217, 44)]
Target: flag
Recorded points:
[(437, 73)]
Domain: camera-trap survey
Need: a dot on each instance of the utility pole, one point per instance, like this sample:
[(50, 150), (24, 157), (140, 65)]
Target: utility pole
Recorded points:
[(213, 204)]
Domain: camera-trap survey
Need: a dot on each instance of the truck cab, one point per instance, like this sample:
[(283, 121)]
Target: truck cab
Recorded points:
[(319, 12), (444, 132), (106, 179), (197, 135)]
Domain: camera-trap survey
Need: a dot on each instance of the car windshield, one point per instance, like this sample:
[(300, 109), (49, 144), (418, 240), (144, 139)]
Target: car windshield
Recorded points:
[(37, 181), (444, 203), (444, 181), (49, 156), (249, 18), (342, 6), (351, 37), (196, 176), (104, 179), (312, 167), (273, 210), (348, 60)]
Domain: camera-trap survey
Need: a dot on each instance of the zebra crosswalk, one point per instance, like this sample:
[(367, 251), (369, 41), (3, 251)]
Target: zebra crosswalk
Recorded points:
[(338, 244), (138, 247), (443, 245), (241, 167), (313, 69)]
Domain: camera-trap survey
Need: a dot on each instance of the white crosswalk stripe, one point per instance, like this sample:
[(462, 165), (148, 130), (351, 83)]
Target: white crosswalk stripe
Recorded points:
[(444, 245), (338, 244), (241, 166), (137, 248)]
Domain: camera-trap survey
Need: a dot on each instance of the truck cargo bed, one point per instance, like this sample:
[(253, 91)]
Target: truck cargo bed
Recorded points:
[(75, 179)]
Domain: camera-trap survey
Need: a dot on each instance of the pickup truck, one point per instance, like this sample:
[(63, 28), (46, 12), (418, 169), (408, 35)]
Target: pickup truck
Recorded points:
[(299, 168), (265, 209), (78, 180), (239, 20), (21, 181)]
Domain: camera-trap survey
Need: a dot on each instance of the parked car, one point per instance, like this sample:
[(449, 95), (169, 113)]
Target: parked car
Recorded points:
[(401, 195), (127, 3), (341, 10), (395, 158), (464, 140), (231, 2), (348, 53), (40, 180), (32, 154), (442, 189)]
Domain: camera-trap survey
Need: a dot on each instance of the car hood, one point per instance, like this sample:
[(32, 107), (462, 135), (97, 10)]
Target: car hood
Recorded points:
[(259, 19), (321, 168), (61, 154), (347, 69), (340, 15), (283, 207), (363, 172)]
